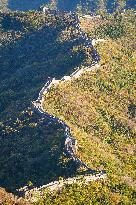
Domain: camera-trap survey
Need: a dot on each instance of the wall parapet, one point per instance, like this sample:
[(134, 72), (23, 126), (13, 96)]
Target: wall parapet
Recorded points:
[(70, 142)]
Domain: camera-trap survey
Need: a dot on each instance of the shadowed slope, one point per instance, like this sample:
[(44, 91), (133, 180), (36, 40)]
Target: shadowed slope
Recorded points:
[(34, 52)]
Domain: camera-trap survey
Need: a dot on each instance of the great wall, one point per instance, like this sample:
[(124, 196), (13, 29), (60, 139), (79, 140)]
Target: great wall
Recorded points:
[(70, 142)]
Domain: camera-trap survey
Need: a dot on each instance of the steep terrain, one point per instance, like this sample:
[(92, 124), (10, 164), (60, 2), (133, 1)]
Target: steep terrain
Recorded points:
[(100, 108), (33, 47), (10, 199), (65, 5)]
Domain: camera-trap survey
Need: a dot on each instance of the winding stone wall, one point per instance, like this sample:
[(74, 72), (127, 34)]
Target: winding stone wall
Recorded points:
[(33, 195), (70, 141)]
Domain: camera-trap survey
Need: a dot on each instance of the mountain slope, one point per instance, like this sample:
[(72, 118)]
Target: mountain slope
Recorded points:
[(33, 46), (100, 108), (67, 5)]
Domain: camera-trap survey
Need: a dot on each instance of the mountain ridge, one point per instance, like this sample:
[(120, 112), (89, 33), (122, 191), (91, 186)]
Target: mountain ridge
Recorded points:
[(103, 137)]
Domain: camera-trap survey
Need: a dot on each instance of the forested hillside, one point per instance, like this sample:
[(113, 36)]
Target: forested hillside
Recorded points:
[(67, 5), (34, 46), (100, 108)]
